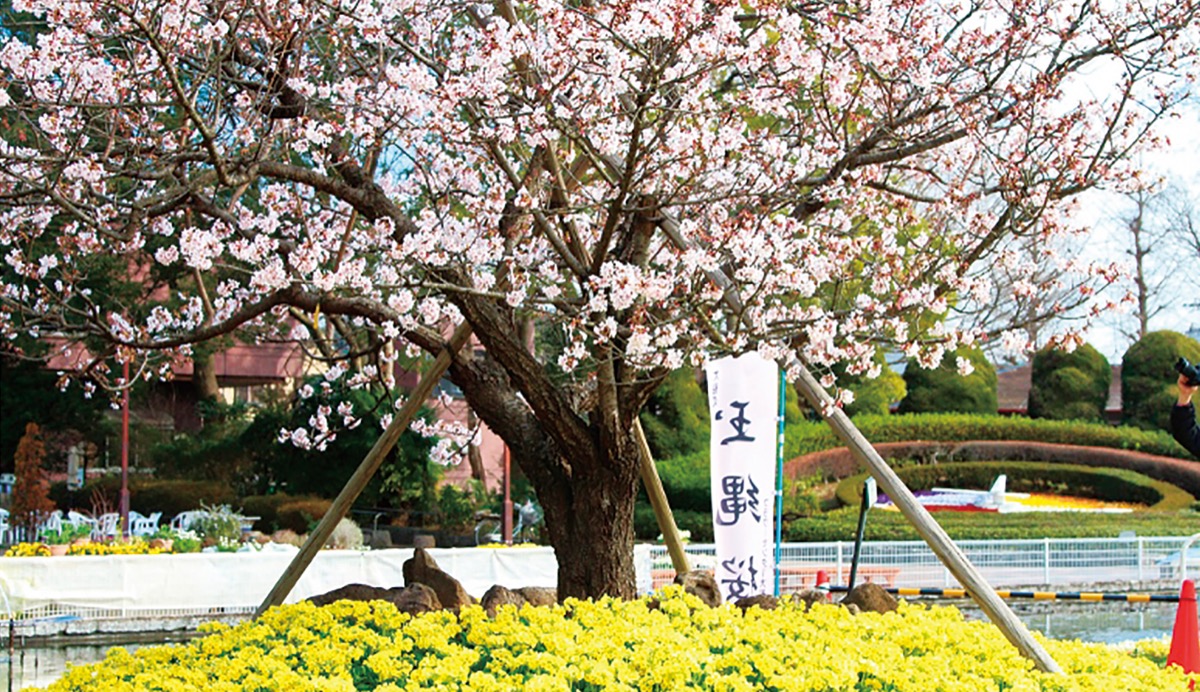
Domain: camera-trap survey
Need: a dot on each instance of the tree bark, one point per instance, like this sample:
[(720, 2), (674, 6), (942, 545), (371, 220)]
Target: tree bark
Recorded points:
[(204, 375), (587, 489)]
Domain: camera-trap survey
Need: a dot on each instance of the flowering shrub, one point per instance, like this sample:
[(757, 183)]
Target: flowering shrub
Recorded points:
[(614, 645)]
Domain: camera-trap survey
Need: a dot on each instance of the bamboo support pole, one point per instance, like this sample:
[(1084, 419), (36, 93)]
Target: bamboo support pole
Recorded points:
[(941, 544), (362, 475), (658, 500)]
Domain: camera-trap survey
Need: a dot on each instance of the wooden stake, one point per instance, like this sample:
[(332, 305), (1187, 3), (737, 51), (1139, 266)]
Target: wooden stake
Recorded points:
[(982, 593), (362, 475), (658, 500)]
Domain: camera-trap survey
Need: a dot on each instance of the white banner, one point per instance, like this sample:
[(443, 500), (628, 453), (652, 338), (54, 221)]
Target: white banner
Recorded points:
[(743, 403)]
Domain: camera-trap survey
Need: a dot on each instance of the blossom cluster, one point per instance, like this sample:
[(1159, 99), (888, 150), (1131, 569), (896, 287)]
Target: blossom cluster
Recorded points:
[(669, 642), (849, 170)]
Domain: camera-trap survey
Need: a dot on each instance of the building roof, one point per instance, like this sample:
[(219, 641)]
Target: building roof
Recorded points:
[(239, 364)]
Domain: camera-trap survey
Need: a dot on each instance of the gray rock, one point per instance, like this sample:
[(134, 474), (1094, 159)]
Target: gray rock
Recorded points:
[(539, 595), (762, 600), (500, 596), (702, 584), (870, 597), (421, 568), (418, 598), (357, 592)]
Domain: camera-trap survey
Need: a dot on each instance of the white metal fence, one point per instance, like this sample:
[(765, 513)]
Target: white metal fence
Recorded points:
[(1004, 564)]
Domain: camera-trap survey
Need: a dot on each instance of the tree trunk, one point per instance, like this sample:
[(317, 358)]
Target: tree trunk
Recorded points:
[(590, 525), (204, 375)]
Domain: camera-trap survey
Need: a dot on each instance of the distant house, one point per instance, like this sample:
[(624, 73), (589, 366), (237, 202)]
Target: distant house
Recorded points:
[(1013, 385)]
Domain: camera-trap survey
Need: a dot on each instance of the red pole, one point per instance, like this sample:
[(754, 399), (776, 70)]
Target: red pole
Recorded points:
[(124, 507), (506, 521)]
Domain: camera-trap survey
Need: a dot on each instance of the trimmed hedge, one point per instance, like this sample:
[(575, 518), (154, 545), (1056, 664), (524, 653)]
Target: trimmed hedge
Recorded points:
[(840, 525), (686, 478), (1110, 485), (298, 514), (267, 508), (814, 436), (146, 495)]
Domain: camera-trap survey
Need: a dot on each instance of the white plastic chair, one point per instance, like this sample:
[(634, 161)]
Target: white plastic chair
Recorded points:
[(107, 526), (184, 520), (141, 525), (51, 524), (78, 519)]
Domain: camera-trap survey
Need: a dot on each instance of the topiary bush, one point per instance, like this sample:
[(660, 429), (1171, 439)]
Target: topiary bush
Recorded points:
[(1148, 378), (1069, 386), (872, 396), (944, 390)]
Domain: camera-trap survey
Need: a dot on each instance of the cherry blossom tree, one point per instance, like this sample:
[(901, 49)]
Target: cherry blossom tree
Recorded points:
[(362, 174)]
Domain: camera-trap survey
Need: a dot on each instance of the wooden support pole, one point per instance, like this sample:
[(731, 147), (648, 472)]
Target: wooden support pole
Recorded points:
[(930, 530), (658, 500), (362, 475)]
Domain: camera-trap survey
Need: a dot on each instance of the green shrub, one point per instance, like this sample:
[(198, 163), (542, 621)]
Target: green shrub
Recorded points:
[(455, 510), (872, 396), (943, 389), (1148, 378), (300, 514), (1110, 485), (219, 525), (1069, 386)]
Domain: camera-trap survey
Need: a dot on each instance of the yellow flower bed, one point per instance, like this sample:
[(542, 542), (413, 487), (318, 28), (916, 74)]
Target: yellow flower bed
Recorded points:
[(132, 547), (615, 645), (28, 550)]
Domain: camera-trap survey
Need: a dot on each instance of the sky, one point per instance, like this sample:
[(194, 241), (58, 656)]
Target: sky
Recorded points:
[(1180, 165)]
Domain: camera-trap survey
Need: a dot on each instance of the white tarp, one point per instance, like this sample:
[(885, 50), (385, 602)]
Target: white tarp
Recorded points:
[(743, 398), (240, 580)]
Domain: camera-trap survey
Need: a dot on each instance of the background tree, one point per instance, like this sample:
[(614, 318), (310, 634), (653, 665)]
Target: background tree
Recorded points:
[(965, 382), (368, 174), (1069, 386), (31, 492), (1148, 377), (30, 393)]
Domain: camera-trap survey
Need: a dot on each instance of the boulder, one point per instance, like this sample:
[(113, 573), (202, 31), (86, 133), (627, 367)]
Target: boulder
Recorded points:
[(762, 600), (870, 597), (810, 596), (701, 584), (357, 592), (422, 569), (500, 596), (539, 595), (417, 598)]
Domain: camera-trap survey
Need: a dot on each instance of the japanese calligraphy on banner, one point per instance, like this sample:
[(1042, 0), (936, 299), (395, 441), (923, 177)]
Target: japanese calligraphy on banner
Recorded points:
[(743, 402)]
